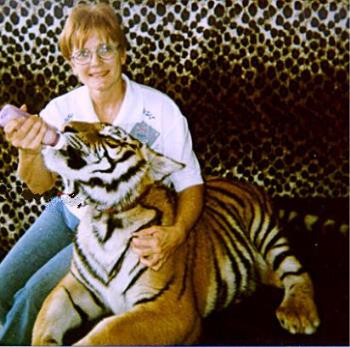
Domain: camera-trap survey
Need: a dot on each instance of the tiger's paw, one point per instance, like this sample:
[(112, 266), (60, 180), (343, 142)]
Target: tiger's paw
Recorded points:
[(44, 335), (45, 341), (298, 313)]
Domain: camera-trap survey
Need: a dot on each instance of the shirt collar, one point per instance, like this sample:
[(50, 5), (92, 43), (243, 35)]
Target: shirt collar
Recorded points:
[(132, 103)]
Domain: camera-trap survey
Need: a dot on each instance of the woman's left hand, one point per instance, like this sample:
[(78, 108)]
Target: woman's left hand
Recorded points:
[(154, 245)]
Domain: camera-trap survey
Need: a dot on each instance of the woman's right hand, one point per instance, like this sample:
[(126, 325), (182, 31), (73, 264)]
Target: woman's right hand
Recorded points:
[(26, 132)]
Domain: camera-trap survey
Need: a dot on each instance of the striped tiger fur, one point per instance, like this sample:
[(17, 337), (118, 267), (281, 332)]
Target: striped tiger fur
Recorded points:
[(235, 244)]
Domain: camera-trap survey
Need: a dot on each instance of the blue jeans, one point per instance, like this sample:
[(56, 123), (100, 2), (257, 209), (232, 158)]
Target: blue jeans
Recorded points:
[(34, 266)]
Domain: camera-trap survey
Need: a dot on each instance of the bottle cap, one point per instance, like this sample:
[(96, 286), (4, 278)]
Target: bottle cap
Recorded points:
[(59, 142), (51, 137)]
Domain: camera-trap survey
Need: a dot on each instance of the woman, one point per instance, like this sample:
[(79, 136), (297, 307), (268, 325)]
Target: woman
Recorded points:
[(95, 47)]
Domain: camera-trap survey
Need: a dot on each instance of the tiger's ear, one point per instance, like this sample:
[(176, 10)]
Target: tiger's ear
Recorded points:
[(160, 165)]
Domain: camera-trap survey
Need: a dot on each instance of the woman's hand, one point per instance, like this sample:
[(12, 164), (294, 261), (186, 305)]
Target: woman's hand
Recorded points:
[(154, 245), (26, 132)]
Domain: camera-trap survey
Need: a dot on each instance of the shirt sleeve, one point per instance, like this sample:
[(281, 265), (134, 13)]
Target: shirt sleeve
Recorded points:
[(177, 144), (52, 115)]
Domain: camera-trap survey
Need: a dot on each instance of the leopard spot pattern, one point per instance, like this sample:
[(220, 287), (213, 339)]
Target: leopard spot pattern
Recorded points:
[(263, 84)]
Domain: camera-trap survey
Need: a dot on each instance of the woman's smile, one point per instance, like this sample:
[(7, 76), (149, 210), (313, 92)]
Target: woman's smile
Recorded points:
[(98, 74)]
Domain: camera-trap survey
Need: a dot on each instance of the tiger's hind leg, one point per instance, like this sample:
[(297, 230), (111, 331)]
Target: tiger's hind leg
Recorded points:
[(65, 308), (297, 313)]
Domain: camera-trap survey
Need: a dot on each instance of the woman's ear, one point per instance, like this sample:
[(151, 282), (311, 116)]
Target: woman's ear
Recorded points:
[(123, 57)]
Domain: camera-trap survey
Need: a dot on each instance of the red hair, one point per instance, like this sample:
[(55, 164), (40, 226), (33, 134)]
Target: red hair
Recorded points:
[(87, 19)]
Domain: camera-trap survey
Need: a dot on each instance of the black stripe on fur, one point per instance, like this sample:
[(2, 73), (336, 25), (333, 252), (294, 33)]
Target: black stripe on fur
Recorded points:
[(114, 185), (87, 265), (135, 278), (94, 293), (280, 258), (119, 263), (82, 314), (156, 296), (293, 273)]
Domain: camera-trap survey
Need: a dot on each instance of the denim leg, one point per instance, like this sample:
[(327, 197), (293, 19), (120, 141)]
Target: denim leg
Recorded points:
[(31, 269), (20, 320)]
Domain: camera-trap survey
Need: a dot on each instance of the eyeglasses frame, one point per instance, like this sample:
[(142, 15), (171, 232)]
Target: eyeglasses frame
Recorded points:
[(115, 49)]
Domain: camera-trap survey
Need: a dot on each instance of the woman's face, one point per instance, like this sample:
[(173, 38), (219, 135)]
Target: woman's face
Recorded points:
[(99, 74)]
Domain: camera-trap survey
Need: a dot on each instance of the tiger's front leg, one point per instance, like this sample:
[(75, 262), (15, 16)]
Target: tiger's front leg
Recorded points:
[(62, 310), (170, 323)]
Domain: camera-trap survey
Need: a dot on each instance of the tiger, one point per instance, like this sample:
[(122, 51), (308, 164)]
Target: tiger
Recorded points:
[(235, 244)]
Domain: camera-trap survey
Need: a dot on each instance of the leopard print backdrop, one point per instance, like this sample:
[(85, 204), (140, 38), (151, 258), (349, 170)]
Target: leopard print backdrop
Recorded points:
[(264, 85)]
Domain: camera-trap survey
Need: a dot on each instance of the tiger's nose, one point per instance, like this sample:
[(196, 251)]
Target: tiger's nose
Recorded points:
[(69, 129), (76, 126)]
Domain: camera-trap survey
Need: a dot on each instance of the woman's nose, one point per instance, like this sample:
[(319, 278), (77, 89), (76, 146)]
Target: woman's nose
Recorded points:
[(95, 59)]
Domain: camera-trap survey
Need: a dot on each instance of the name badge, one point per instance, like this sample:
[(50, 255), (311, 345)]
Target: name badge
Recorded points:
[(144, 133)]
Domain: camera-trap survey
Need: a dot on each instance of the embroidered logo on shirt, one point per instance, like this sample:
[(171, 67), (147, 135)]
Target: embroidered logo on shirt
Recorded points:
[(68, 117), (145, 133), (148, 114)]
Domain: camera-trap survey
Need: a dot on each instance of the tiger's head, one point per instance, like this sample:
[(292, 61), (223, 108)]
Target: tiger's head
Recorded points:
[(105, 164)]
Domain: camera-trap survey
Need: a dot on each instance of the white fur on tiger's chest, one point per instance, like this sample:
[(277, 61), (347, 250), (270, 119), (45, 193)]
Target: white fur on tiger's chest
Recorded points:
[(109, 265)]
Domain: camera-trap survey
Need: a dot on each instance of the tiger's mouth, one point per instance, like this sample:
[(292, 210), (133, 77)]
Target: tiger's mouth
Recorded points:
[(67, 152), (105, 164)]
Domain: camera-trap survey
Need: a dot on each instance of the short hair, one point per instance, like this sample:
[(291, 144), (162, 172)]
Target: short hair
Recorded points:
[(86, 19)]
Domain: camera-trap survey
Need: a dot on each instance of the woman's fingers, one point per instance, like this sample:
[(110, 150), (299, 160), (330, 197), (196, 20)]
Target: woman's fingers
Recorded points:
[(26, 133), (13, 125), (36, 139), (24, 108), (153, 261)]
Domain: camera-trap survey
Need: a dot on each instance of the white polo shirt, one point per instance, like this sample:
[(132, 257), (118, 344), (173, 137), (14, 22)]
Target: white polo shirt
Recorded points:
[(147, 114)]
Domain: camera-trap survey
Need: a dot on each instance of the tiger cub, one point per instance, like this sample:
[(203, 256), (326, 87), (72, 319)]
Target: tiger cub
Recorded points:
[(235, 244)]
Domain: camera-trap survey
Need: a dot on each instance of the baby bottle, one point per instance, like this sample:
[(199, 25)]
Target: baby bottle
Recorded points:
[(9, 112)]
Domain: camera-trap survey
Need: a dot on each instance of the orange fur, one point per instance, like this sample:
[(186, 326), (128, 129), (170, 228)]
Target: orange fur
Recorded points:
[(235, 244)]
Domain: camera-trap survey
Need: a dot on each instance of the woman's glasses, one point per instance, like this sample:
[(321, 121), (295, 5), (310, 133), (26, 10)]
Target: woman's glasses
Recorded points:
[(104, 52)]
